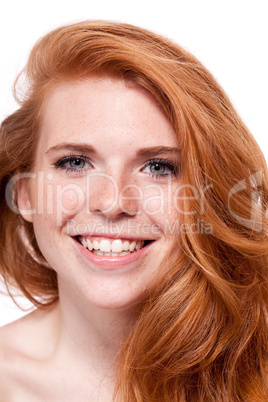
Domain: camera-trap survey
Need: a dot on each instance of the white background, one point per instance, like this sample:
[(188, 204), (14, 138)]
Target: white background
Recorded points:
[(230, 37)]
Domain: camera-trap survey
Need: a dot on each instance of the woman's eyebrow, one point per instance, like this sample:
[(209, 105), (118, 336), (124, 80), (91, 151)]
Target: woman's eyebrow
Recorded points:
[(158, 150), (74, 147)]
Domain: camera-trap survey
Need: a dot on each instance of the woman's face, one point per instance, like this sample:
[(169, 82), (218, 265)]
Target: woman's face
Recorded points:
[(101, 195)]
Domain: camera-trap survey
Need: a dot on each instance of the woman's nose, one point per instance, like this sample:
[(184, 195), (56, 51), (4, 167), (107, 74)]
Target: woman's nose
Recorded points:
[(112, 197)]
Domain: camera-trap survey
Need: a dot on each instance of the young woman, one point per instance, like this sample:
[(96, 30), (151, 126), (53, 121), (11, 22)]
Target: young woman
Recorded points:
[(133, 204)]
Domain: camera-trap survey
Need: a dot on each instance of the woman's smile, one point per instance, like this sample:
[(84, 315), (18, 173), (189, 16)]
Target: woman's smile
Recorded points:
[(111, 253)]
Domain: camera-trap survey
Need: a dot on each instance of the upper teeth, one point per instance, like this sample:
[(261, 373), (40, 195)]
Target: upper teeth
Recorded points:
[(107, 245)]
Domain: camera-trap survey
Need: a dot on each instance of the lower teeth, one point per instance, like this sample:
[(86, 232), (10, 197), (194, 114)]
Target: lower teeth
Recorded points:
[(111, 254)]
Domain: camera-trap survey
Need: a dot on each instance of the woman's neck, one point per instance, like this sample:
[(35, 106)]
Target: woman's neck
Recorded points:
[(88, 334)]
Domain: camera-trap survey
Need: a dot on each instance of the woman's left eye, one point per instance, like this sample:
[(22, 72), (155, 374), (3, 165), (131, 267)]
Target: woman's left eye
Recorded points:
[(159, 168), (73, 163)]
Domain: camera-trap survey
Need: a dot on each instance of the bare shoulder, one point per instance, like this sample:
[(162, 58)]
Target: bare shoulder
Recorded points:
[(17, 337), (21, 351), (26, 336), (5, 363), (15, 340)]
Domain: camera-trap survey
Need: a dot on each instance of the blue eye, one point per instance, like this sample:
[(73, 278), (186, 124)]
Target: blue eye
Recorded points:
[(160, 168), (73, 163)]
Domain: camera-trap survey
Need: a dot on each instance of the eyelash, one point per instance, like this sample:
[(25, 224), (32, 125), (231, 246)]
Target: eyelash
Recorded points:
[(71, 158), (167, 164)]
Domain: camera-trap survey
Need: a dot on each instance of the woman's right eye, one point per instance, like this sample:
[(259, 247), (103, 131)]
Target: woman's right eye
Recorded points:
[(73, 163)]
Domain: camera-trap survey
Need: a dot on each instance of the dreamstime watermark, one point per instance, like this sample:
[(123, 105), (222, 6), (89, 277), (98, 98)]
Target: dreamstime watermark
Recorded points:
[(100, 193)]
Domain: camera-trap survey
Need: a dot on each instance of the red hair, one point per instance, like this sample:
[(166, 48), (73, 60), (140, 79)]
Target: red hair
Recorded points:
[(202, 334)]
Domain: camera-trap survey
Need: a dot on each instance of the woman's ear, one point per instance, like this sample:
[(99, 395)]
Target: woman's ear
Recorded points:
[(24, 199)]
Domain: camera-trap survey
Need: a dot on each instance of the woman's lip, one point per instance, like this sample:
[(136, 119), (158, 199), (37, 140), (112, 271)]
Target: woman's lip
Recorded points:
[(111, 262)]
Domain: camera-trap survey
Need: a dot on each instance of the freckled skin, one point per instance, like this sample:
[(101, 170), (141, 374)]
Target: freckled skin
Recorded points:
[(117, 120)]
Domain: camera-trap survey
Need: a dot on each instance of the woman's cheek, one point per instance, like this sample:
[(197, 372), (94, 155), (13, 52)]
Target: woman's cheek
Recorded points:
[(161, 206), (61, 200)]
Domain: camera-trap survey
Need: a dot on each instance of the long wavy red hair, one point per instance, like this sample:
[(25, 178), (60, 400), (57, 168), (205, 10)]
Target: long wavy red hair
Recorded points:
[(202, 334)]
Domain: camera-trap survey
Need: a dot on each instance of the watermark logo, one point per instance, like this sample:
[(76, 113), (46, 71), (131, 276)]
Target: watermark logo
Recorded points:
[(255, 221), (101, 193), (170, 227)]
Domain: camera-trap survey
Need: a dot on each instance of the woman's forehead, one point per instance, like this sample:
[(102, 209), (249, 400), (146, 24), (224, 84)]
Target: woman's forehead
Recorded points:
[(104, 109)]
